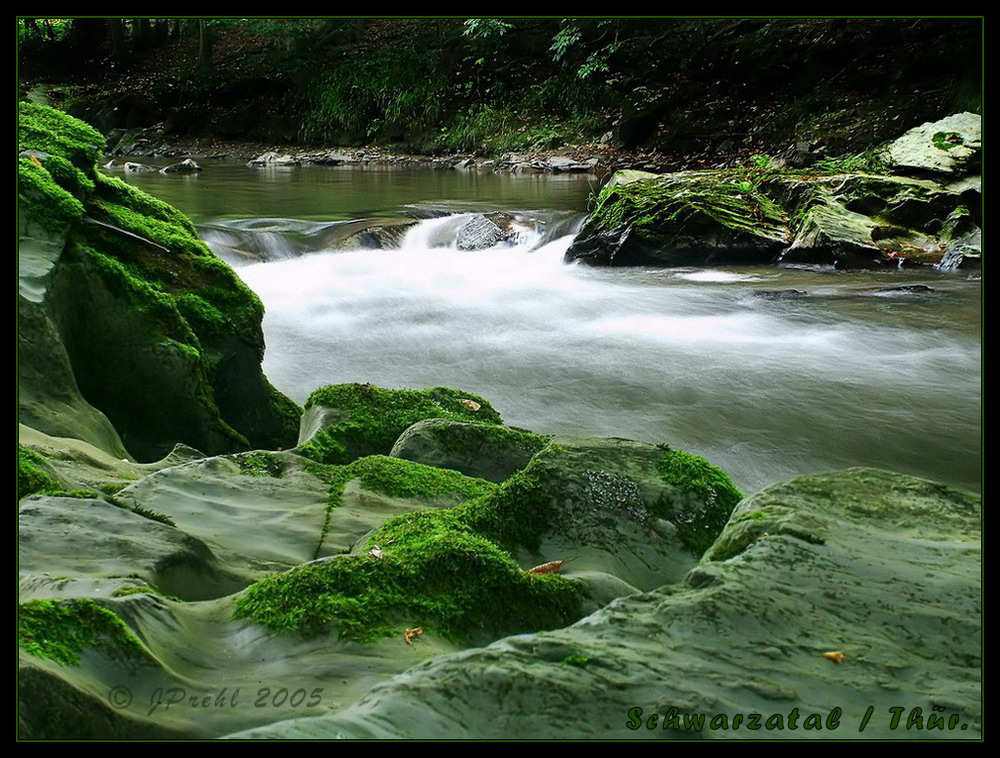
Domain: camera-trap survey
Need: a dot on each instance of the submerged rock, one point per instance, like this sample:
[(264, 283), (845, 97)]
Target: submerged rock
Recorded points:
[(879, 571)]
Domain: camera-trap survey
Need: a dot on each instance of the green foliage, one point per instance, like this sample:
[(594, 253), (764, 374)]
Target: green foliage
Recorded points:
[(375, 417), (711, 497), (485, 28), (61, 630)]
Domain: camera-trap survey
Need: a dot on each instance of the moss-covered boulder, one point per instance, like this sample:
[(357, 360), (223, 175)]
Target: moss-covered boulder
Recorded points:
[(856, 601), (347, 421), (125, 312), (619, 513), (681, 219), (826, 215), (486, 451), (440, 569), (949, 147)]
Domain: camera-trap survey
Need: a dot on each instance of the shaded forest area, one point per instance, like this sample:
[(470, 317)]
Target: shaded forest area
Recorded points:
[(719, 87)]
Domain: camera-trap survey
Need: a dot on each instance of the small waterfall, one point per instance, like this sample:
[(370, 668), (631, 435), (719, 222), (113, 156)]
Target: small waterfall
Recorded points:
[(950, 261)]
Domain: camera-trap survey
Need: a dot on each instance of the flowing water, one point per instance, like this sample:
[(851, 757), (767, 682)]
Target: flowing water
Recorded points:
[(726, 362)]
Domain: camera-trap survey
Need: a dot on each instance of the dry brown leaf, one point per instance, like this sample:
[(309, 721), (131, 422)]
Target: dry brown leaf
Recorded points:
[(836, 656), (35, 160), (547, 568), (410, 634), (472, 405), (375, 552)]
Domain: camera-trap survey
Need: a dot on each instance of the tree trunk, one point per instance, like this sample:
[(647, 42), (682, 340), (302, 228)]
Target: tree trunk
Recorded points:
[(204, 45)]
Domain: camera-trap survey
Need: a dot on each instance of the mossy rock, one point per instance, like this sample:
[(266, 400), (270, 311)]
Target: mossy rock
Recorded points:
[(486, 451), (640, 513), (950, 147), (891, 578), (61, 630), (681, 219), (347, 421), (158, 333)]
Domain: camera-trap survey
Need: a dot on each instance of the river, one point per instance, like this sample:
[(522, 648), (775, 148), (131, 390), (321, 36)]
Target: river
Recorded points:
[(709, 360)]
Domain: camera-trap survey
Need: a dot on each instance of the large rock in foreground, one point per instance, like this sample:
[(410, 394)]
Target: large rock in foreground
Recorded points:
[(824, 598), (125, 316)]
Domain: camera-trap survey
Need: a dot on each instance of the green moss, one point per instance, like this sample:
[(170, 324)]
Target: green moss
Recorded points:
[(61, 630), (375, 417), (397, 478), (31, 474), (432, 572), (711, 498), (576, 660), (259, 464), (444, 569), (43, 200), (947, 140), (51, 131), (662, 206)]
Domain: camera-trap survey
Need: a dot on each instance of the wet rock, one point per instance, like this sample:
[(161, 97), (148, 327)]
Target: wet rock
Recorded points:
[(485, 230), (562, 164), (884, 568), (789, 294), (186, 166), (139, 168), (480, 450), (273, 159)]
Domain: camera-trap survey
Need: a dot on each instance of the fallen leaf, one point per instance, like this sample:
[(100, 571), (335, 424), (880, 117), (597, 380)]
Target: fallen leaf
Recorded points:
[(551, 567), (375, 552), (471, 404), (410, 634), (836, 656), (38, 163)]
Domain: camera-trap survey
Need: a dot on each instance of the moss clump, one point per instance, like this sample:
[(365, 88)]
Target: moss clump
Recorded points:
[(432, 571), (259, 464), (51, 131), (710, 498), (947, 140), (442, 569), (31, 474), (398, 478), (375, 417), (61, 630)]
